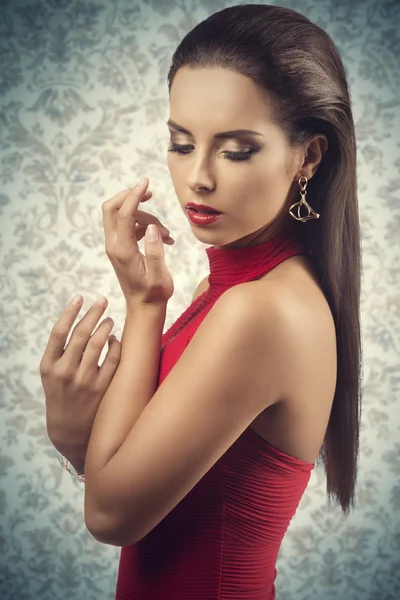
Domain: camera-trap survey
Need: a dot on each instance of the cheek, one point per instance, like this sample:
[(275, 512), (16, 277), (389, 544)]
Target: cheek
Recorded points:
[(270, 173), (265, 185), (258, 177)]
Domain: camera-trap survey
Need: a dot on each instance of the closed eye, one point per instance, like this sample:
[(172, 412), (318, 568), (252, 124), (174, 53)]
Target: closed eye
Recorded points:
[(234, 156)]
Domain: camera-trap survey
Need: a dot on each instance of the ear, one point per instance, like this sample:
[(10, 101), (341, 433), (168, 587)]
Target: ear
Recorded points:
[(313, 153)]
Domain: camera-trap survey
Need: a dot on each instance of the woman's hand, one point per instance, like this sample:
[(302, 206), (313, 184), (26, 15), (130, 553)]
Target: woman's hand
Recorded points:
[(73, 382), (144, 280), (143, 219)]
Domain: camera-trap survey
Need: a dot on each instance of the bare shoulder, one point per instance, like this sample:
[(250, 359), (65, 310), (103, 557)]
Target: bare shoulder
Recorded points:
[(265, 317), (244, 339), (266, 305), (298, 326), (266, 310), (274, 342), (289, 308), (283, 340)]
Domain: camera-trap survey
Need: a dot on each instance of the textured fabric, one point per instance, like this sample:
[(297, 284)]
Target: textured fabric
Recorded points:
[(222, 540)]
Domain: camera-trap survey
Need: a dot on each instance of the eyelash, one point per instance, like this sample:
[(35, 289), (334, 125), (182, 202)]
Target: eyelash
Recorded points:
[(234, 156)]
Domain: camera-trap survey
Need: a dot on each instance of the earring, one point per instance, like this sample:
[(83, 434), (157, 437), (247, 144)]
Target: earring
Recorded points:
[(311, 213)]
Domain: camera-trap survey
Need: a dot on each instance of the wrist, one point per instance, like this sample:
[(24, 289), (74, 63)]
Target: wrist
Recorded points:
[(133, 306), (75, 458), (152, 315), (78, 464), (79, 473)]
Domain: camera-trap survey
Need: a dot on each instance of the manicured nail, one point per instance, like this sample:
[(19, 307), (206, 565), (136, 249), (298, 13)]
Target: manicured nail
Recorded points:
[(152, 233), (76, 300), (101, 301)]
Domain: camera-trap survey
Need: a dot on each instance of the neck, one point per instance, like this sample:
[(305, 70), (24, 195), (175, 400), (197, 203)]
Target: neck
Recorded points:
[(263, 235)]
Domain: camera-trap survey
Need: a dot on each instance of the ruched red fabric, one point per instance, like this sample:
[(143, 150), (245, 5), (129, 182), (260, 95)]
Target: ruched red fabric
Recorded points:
[(221, 542)]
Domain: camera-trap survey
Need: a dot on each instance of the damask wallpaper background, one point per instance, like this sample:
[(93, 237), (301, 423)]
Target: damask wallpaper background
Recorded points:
[(83, 105)]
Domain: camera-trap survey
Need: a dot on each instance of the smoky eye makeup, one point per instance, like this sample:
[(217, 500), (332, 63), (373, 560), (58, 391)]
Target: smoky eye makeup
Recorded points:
[(234, 156), (245, 147)]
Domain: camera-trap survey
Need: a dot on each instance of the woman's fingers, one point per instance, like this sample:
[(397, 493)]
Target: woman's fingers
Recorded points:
[(129, 225), (81, 334), (94, 347), (58, 336), (117, 214), (110, 364), (144, 218), (110, 210), (146, 196), (124, 220), (140, 231)]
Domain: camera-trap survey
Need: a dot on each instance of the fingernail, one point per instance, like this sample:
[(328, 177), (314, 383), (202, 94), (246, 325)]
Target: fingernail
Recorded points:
[(152, 233), (101, 301), (76, 300), (141, 182)]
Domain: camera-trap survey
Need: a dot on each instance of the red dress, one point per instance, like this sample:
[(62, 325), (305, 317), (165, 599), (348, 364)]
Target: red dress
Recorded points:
[(222, 540)]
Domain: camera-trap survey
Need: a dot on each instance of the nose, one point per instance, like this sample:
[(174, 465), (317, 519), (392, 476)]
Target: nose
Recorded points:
[(200, 177)]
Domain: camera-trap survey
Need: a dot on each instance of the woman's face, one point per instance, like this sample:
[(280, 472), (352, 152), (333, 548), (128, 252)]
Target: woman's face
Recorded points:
[(249, 192)]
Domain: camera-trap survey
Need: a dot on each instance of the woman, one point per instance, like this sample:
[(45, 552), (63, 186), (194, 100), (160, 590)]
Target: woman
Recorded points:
[(260, 376)]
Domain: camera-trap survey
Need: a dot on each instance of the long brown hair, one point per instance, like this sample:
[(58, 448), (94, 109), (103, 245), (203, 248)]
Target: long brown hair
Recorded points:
[(300, 68)]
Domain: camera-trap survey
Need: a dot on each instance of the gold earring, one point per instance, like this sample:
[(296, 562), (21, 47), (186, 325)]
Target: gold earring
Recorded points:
[(311, 213)]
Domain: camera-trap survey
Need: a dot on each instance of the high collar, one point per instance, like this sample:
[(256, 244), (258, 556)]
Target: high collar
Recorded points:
[(229, 266)]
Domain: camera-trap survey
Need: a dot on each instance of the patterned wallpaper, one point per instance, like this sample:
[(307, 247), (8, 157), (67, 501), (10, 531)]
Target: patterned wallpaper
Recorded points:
[(83, 101)]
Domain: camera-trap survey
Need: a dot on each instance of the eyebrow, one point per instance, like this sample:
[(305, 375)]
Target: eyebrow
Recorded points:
[(235, 133)]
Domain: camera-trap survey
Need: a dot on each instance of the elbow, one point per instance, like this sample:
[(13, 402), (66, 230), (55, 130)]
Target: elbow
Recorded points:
[(102, 526), (108, 527), (99, 527), (107, 531)]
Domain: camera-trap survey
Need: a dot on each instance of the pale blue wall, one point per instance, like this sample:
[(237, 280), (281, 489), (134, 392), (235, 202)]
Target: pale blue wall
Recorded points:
[(83, 100)]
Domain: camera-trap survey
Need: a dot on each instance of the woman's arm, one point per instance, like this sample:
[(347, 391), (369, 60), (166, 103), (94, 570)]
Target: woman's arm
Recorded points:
[(131, 389)]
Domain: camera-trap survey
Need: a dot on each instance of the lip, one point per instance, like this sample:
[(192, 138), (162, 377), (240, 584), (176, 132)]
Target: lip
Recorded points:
[(199, 218), (201, 207)]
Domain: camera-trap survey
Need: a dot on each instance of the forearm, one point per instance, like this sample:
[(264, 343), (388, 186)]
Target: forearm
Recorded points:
[(131, 389)]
